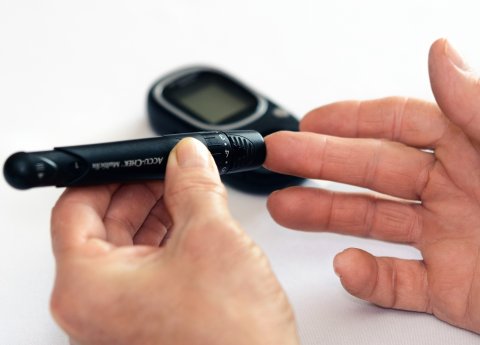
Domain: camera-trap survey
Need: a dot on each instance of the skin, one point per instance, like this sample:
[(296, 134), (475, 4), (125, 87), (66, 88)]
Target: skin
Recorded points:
[(121, 280), (426, 157), (135, 265)]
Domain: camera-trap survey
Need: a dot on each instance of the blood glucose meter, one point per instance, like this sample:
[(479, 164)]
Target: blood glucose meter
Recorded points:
[(201, 98)]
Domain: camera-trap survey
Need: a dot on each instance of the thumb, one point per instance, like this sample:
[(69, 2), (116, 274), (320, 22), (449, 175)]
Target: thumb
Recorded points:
[(194, 193), (456, 88)]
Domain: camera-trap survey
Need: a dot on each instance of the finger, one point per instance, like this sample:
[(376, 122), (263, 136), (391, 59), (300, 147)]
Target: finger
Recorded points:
[(409, 121), (387, 282), (129, 207), (358, 215), (78, 217), (456, 88), (153, 230), (384, 166), (194, 193), (457, 91)]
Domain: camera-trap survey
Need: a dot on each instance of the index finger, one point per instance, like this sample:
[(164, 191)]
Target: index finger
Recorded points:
[(409, 121), (78, 216)]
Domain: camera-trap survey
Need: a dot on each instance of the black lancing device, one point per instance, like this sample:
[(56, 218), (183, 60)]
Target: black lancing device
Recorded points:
[(126, 161)]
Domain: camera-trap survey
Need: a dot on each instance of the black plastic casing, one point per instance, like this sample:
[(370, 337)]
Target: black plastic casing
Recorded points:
[(272, 119), (126, 161)]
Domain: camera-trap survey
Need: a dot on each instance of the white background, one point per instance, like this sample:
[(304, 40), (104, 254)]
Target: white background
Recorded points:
[(75, 72)]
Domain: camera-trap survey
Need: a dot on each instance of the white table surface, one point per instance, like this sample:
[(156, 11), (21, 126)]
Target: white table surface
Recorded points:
[(74, 72)]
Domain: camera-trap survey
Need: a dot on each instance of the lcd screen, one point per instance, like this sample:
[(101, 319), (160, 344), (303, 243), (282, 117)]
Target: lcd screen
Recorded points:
[(212, 99)]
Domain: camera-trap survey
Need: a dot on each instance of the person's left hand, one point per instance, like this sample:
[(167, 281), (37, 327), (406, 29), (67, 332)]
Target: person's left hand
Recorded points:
[(426, 158)]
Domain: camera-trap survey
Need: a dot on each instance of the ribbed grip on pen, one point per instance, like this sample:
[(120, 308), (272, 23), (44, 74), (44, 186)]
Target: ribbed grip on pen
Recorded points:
[(244, 152)]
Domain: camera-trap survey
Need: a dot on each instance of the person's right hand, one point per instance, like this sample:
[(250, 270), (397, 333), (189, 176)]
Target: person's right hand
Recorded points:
[(380, 145), (209, 284)]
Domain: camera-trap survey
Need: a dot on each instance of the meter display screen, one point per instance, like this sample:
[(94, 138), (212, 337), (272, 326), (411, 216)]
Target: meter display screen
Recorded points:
[(211, 98)]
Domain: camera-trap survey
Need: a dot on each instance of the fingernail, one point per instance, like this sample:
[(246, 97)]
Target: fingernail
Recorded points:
[(337, 263), (191, 153), (272, 194), (455, 57)]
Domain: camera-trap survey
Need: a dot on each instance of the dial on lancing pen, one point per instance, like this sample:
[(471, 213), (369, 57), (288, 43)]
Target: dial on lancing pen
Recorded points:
[(132, 160)]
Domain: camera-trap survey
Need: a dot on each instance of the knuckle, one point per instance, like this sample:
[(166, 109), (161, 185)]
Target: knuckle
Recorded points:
[(196, 184), (218, 241)]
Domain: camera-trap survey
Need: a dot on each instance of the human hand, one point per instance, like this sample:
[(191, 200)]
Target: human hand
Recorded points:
[(119, 281), (387, 157)]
